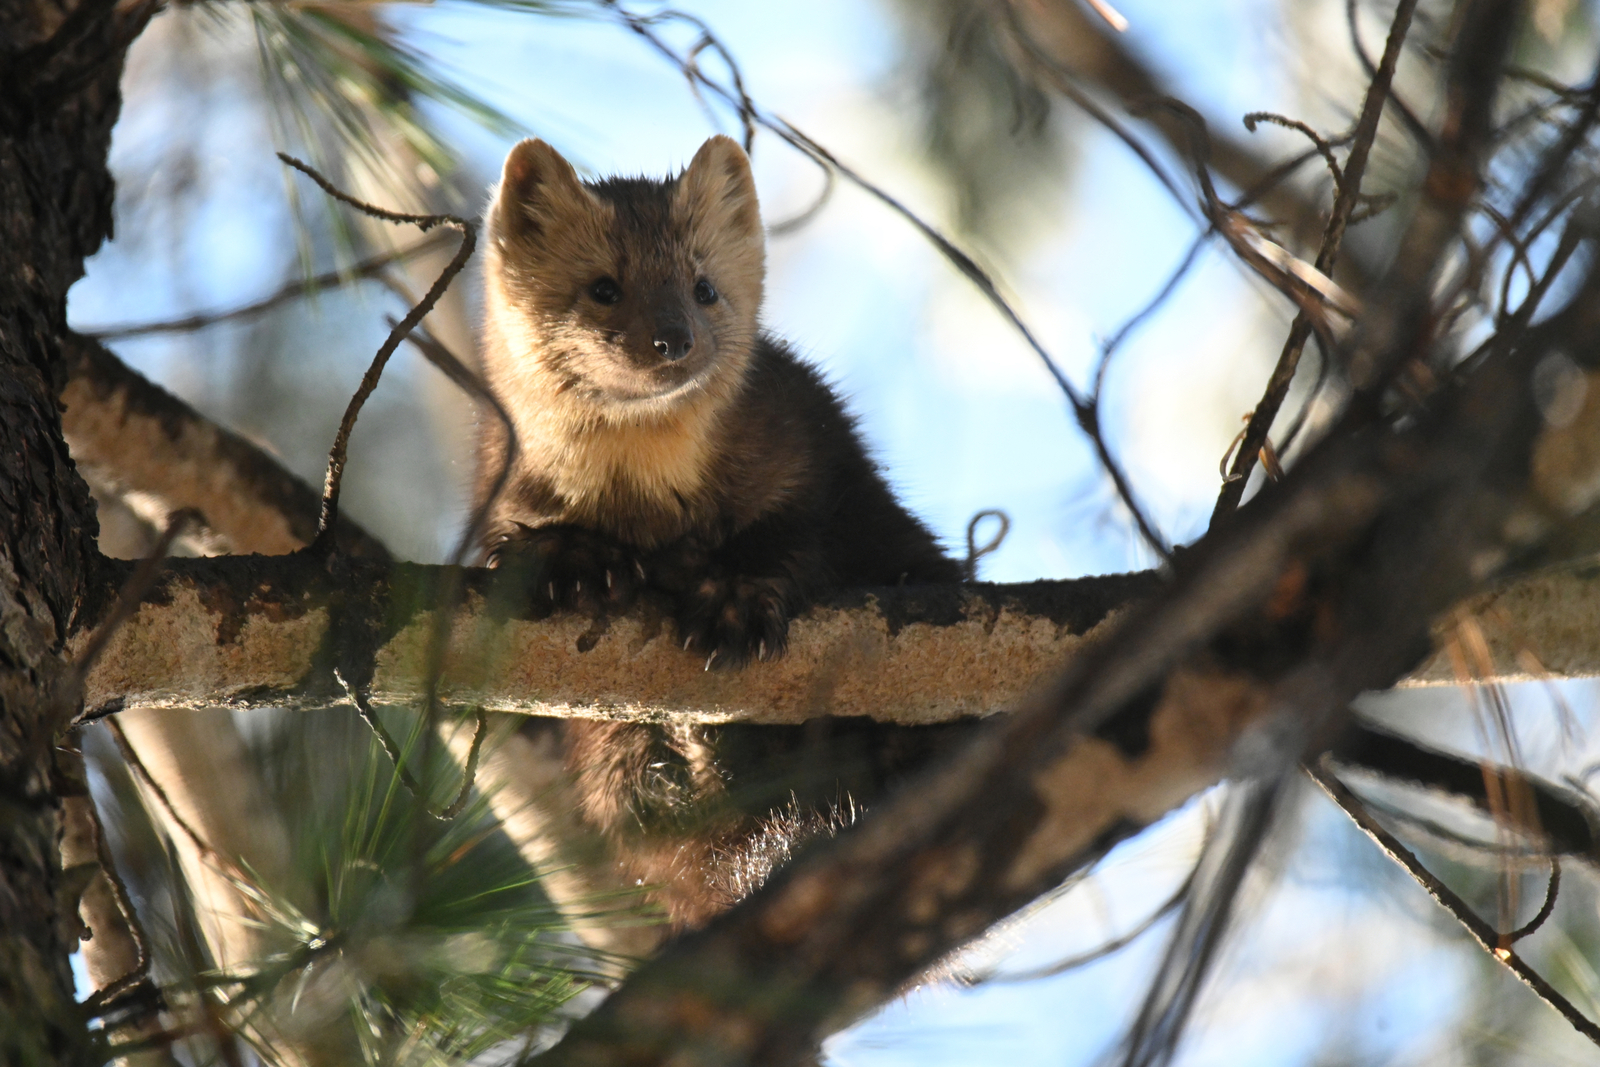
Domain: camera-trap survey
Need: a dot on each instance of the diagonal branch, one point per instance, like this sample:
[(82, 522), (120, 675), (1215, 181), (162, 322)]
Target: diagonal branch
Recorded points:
[(1487, 937), (1324, 589), (413, 318)]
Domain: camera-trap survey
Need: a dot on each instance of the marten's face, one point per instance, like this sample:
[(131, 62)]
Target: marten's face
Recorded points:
[(629, 292)]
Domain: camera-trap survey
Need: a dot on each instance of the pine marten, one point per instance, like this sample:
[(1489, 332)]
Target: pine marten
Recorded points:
[(662, 438), (665, 443)]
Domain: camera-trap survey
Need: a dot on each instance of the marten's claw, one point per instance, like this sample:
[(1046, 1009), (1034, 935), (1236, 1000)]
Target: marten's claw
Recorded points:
[(737, 619), (570, 568)]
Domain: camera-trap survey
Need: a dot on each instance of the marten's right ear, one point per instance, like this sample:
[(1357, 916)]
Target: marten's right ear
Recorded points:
[(539, 191)]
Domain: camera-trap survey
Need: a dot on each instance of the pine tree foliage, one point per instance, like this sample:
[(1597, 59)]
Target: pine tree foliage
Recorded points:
[(398, 937)]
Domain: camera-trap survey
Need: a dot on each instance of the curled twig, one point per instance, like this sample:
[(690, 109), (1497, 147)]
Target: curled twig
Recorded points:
[(1552, 890), (1322, 146), (975, 551)]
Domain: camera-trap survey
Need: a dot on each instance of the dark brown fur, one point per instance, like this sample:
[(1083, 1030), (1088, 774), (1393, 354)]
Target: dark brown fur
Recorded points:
[(663, 442)]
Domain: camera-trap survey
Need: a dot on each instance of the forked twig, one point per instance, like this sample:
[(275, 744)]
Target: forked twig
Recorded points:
[(370, 716), (1347, 197)]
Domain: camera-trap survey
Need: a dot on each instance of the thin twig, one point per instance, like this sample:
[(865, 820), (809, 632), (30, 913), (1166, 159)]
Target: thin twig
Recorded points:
[(1344, 205), (131, 757), (469, 772), (1408, 118), (139, 972), (1484, 934), (1322, 146), (381, 732), (341, 444), (463, 377), (1100, 951), (474, 386), (1109, 349), (784, 227), (975, 551), (367, 268), (469, 769)]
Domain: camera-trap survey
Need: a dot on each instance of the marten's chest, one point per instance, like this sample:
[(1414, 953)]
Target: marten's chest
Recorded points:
[(646, 482)]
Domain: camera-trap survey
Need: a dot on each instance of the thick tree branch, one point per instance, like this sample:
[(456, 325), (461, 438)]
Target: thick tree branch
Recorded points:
[(260, 631), (254, 631)]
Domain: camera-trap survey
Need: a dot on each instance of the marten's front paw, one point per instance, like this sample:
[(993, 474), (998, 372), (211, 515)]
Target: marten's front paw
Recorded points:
[(570, 567), (730, 620)]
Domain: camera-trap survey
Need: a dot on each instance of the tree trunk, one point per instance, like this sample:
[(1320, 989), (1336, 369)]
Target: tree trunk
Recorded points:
[(58, 100)]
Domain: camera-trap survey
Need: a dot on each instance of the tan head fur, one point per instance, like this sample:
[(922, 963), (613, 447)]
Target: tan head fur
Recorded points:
[(621, 313)]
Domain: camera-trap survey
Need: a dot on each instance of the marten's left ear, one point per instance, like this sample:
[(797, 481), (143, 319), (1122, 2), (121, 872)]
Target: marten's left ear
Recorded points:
[(718, 193)]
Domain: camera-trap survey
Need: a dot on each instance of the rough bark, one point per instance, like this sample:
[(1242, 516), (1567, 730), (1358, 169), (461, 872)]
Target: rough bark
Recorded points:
[(59, 68), (255, 632)]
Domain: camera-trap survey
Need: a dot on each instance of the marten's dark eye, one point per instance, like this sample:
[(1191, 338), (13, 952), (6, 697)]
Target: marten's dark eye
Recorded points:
[(606, 290), (704, 293)]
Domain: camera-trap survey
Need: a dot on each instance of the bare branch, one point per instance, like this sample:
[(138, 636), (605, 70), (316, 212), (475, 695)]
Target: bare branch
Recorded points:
[(142, 438), (369, 381), (258, 632), (367, 268), (1485, 935)]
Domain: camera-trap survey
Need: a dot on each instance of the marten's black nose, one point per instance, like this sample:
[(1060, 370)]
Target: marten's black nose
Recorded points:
[(674, 342)]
